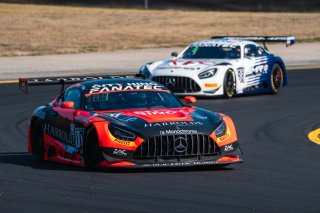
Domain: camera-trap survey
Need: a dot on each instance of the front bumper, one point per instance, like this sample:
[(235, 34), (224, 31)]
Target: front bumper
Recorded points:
[(191, 85), (223, 161), (226, 158)]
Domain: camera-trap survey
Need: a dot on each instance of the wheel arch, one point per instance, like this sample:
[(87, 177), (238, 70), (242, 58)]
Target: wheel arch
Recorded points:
[(100, 131), (97, 133)]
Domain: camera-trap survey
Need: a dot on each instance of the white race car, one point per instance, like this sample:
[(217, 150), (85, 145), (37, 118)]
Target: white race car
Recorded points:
[(222, 66)]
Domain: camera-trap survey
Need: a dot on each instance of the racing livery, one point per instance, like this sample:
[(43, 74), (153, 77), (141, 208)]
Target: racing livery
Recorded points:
[(129, 123), (222, 66)]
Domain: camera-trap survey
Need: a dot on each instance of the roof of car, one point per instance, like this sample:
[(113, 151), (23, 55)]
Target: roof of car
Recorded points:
[(114, 81), (224, 41), (120, 84)]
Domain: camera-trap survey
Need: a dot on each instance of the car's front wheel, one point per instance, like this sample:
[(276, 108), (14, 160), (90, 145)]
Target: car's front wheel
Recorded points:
[(92, 152), (37, 141), (276, 79), (229, 84)]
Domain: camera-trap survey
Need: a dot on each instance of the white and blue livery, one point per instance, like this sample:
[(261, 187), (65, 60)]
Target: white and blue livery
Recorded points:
[(222, 66)]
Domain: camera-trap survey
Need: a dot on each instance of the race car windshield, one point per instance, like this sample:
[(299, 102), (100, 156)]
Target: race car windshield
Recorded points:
[(208, 52), (131, 100)]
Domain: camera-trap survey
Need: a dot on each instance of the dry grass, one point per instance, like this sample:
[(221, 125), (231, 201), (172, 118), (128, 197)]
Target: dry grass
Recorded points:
[(37, 30)]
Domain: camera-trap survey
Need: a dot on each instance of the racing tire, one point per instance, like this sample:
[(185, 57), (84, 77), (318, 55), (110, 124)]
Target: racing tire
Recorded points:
[(276, 79), (37, 141), (92, 152), (229, 84)]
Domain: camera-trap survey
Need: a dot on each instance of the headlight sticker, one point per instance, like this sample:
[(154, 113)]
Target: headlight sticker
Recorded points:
[(225, 136)]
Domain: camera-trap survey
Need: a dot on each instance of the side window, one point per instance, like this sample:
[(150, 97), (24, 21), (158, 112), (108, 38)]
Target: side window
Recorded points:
[(251, 50), (73, 95), (262, 51)]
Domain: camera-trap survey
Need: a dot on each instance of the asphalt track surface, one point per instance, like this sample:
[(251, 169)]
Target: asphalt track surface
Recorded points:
[(280, 172)]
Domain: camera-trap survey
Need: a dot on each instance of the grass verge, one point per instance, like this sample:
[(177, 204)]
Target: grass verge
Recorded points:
[(38, 30)]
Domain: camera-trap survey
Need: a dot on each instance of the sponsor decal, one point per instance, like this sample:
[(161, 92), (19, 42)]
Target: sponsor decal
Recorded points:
[(73, 138), (182, 163), (122, 142), (178, 131), (217, 44), (228, 148), (176, 68), (97, 88), (212, 85), (261, 68), (64, 79), (225, 136), (258, 70), (241, 74), (174, 123), (78, 134), (156, 112), (120, 152), (121, 117), (183, 64), (78, 79), (200, 117)]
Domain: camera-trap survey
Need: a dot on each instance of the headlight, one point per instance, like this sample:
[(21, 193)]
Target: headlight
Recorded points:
[(220, 130), (208, 73), (144, 71), (121, 133)]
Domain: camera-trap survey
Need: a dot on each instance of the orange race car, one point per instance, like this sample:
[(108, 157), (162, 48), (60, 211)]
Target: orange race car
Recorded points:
[(127, 122)]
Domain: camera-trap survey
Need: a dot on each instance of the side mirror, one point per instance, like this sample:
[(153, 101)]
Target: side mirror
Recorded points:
[(190, 99), (67, 104), (174, 54)]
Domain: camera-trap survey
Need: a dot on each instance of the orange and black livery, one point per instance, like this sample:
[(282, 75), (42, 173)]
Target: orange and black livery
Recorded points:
[(128, 122)]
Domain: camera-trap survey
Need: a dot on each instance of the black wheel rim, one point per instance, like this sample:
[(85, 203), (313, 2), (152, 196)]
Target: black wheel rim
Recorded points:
[(230, 84)]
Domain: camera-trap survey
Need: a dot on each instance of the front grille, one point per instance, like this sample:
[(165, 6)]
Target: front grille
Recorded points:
[(178, 84), (166, 147)]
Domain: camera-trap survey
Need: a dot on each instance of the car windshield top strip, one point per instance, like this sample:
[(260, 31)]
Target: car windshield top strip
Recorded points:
[(133, 99), (132, 90)]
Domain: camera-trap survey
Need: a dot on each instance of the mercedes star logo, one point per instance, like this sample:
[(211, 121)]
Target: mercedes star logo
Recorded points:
[(180, 144), (170, 82)]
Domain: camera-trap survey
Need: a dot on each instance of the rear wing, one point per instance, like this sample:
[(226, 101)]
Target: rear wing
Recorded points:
[(289, 40), (24, 83)]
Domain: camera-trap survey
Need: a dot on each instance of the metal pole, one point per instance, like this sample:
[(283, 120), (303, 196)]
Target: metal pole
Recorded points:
[(146, 4)]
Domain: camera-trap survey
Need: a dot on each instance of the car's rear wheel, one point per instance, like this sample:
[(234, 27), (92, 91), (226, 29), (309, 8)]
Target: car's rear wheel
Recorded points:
[(276, 79), (37, 141), (229, 84), (92, 152)]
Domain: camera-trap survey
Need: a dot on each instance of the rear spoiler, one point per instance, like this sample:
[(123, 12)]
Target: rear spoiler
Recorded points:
[(289, 40), (24, 83)]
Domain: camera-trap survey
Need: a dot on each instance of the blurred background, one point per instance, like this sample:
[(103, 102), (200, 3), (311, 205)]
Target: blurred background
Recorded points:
[(224, 5), (47, 27)]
